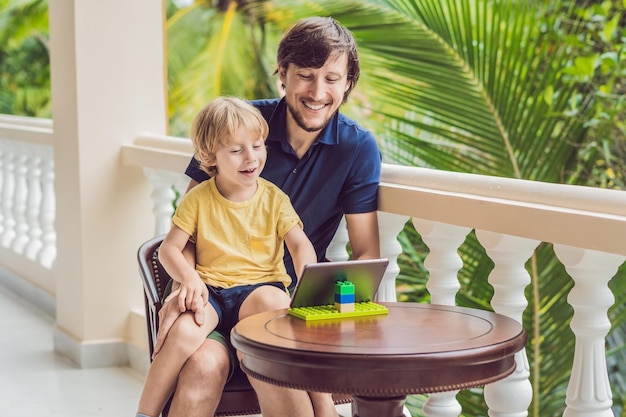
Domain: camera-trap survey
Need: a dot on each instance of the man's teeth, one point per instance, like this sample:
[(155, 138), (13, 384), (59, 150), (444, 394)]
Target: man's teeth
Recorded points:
[(314, 107)]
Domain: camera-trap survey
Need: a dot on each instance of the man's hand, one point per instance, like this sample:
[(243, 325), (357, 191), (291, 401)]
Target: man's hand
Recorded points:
[(170, 311)]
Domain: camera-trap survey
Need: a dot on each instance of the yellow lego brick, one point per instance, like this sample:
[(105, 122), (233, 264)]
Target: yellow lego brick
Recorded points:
[(365, 308)]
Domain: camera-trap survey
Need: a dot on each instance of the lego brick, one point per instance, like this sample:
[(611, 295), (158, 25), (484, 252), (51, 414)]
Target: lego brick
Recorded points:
[(344, 298), (344, 307), (344, 287), (366, 308)]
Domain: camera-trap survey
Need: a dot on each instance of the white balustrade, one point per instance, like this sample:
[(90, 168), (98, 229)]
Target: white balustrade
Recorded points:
[(163, 196), (337, 250), (19, 198), (48, 253), (511, 396), (390, 225), (8, 192), (443, 207), (27, 205), (589, 391), (443, 404), (34, 204), (3, 148), (443, 263)]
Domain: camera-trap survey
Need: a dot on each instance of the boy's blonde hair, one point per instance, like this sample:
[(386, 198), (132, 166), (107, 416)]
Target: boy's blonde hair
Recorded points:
[(217, 123)]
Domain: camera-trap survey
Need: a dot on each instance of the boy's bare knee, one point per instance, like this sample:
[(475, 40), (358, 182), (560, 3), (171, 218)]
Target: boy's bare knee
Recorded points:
[(185, 335), (262, 299)]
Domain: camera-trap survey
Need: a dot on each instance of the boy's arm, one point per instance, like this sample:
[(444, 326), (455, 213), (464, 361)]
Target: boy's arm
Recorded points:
[(300, 248), (171, 254), (363, 235), (176, 260)]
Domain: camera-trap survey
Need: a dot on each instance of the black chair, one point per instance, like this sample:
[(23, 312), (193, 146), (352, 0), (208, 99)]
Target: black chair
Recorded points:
[(238, 397)]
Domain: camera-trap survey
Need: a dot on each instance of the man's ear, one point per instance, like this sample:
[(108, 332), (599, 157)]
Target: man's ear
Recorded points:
[(281, 73)]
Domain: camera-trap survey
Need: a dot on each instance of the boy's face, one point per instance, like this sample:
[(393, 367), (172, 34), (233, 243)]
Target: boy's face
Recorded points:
[(313, 95), (240, 163)]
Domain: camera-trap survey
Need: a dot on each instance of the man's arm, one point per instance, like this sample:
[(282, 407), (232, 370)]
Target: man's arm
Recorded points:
[(363, 235)]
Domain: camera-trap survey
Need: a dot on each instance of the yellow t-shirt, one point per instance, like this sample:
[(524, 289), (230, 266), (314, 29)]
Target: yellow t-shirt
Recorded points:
[(238, 243)]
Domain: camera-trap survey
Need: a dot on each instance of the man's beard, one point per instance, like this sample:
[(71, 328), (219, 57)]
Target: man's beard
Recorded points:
[(297, 116)]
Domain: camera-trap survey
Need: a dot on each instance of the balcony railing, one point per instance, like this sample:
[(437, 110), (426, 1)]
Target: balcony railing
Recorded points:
[(510, 217)]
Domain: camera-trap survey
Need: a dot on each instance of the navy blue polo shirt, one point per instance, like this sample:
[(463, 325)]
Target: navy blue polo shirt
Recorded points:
[(338, 175)]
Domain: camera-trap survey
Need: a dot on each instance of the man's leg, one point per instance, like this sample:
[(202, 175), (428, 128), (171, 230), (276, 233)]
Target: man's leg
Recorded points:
[(185, 338), (201, 381), (323, 404), (279, 401)]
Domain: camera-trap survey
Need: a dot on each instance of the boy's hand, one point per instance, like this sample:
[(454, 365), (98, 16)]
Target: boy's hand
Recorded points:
[(193, 296), (170, 311)]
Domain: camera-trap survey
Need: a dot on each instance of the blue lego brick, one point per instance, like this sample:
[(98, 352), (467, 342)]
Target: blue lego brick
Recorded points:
[(344, 298)]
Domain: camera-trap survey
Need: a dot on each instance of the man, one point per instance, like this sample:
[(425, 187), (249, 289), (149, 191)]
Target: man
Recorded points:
[(329, 166)]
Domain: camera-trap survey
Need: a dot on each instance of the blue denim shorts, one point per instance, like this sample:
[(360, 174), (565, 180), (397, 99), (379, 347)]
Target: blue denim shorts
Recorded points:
[(227, 303)]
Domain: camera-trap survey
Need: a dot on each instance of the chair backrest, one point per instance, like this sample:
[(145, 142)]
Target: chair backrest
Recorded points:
[(238, 397)]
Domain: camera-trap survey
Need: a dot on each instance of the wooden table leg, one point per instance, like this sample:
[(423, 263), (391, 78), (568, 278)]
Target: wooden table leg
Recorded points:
[(379, 406)]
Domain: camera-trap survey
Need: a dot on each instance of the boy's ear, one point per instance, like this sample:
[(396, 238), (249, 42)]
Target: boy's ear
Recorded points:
[(205, 157)]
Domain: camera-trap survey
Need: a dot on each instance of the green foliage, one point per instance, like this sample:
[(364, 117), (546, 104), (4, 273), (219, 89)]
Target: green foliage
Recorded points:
[(24, 58), (529, 89), (600, 69), (213, 51)]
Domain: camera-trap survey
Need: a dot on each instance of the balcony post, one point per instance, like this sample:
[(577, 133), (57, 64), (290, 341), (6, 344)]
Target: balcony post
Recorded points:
[(443, 263), (511, 396), (589, 391), (108, 84)]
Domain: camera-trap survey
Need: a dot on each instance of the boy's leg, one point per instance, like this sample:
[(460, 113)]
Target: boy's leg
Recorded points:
[(184, 338), (263, 298)]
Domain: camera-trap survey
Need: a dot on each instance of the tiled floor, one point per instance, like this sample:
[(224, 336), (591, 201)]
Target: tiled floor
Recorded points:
[(36, 382)]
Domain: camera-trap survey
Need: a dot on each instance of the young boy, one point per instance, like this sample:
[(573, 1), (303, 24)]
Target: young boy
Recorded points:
[(239, 223)]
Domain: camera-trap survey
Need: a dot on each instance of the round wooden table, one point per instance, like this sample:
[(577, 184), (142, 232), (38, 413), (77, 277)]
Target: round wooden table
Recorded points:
[(379, 360)]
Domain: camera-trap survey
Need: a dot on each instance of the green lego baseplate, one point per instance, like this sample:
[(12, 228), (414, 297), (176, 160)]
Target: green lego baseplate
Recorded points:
[(364, 308)]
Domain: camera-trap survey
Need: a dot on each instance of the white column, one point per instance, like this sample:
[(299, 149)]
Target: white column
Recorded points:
[(108, 85), (48, 253), (443, 263), (390, 225), (8, 192), (162, 197), (589, 391), (20, 196), (33, 204), (512, 396), (336, 250)]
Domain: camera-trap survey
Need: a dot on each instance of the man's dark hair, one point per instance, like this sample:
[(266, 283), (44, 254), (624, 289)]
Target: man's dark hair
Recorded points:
[(311, 41)]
